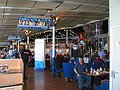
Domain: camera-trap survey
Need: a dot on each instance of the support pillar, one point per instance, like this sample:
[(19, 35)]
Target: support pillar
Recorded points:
[(66, 37), (53, 52)]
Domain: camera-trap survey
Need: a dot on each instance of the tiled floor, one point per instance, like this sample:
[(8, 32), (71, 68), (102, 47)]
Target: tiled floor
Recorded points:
[(42, 80)]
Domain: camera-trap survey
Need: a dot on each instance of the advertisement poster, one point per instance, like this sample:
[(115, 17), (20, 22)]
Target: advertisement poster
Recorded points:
[(15, 37), (39, 54), (35, 23)]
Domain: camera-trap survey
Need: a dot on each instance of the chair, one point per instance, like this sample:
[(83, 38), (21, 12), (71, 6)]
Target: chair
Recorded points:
[(106, 65), (96, 87), (68, 71), (73, 61), (104, 85)]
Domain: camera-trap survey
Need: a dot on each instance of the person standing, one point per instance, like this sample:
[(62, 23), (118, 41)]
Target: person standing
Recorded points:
[(79, 68), (101, 53), (10, 53), (25, 55)]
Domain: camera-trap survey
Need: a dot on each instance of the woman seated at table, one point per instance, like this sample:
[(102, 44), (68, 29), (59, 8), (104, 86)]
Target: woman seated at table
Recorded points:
[(79, 68), (106, 64), (97, 63)]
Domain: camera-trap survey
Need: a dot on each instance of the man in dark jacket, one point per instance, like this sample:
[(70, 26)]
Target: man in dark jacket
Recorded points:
[(79, 68), (25, 55)]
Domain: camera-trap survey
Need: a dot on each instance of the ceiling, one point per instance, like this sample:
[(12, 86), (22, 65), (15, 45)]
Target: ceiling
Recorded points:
[(72, 13)]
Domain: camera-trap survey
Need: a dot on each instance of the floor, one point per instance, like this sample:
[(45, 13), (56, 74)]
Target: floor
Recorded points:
[(42, 80)]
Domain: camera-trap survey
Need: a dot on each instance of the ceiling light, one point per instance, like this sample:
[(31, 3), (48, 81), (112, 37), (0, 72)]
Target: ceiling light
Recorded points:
[(49, 10), (57, 18)]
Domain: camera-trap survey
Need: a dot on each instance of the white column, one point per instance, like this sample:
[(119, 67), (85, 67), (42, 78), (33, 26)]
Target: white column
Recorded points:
[(114, 17), (18, 45), (53, 43), (67, 37), (13, 46), (96, 29), (27, 39), (47, 38)]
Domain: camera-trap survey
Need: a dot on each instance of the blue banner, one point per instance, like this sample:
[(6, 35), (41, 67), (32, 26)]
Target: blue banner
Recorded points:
[(15, 37), (35, 23)]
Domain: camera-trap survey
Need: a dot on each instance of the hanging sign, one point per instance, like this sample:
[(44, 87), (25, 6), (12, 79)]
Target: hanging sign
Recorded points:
[(35, 23)]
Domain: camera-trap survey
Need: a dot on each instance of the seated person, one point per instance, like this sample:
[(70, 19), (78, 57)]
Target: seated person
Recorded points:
[(66, 57), (97, 63), (79, 68), (106, 62), (98, 59)]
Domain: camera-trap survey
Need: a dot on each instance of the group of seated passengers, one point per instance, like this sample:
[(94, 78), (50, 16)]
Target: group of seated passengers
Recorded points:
[(96, 62)]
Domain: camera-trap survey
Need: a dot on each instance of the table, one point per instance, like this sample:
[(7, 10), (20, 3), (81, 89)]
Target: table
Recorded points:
[(92, 74), (97, 76)]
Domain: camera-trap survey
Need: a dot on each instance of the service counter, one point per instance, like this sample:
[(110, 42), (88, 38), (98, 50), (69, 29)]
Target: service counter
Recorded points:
[(12, 77)]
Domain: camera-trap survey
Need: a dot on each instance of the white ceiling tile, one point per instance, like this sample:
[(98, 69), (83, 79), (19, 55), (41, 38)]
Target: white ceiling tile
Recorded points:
[(0, 22), (97, 14), (86, 8), (1, 16), (10, 16), (46, 5), (95, 2), (36, 12), (100, 9), (2, 2), (9, 24), (20, 3), (106, 3), (75, 1), (22, 11), (56, 12), (8, 10), (1, 10), (105, 15), (10, 21), (67, 6)]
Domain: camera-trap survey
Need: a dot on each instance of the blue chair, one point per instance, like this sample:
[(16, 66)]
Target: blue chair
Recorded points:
[(68, 70), (96, 87), (72, 61), (104, 85)]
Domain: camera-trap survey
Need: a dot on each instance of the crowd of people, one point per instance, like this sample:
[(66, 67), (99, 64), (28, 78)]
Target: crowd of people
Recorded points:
[(83, 64), (98, 60), (14, 54), (9, 54)]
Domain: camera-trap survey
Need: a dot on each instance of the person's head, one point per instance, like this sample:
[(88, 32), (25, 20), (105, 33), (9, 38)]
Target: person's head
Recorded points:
[(105, 51), (80, 60), (97, 57), (100, 49), (26, 46), (11, 48), (105, 58)]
